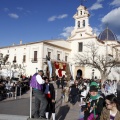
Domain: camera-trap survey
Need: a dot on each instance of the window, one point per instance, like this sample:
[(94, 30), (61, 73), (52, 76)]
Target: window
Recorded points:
[(80, 47), (66, 58), (83, 23), (14, 59), (35, 56), (78, 23), (81, 12), (49, 54), (24, 58), (58, 56)]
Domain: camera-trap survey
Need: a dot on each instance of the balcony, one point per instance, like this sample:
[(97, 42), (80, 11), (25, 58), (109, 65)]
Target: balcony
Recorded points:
[(34, 60)]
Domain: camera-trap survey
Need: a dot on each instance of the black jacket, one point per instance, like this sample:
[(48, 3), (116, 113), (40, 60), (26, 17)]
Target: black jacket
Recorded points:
[(51, 89), (99, 103)]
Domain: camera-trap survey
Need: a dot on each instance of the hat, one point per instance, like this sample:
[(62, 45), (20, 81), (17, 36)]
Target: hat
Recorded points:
[(94, 83), (40, 70), (93, 88)]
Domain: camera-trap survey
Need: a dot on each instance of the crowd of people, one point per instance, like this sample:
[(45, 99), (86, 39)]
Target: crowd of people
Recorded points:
[(98, 101), (10, 88)]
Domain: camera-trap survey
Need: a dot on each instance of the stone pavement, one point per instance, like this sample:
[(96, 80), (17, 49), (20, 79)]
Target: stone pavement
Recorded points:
[(69, 112), (19, 109)]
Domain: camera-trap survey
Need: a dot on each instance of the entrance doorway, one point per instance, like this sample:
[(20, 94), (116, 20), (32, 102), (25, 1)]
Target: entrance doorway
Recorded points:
[(79, 74)]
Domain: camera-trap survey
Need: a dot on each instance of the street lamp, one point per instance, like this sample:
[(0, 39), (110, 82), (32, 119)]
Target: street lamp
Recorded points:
[(93, 73)]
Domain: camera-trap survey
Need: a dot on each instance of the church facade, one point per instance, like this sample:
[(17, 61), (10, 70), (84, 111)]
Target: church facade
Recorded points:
[(58, 57)]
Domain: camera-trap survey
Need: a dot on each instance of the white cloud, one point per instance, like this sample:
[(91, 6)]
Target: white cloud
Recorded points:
[(53, 18), (96, 30), (112, 19), (67, 31), (6, 9), (115, 3), (62, 16), (96, 5), (13, 15)]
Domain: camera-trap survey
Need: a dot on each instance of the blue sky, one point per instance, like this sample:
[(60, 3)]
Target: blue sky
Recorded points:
[(35, 20)]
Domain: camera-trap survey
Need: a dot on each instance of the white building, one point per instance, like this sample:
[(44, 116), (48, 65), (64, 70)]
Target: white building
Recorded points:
[(31, 57)]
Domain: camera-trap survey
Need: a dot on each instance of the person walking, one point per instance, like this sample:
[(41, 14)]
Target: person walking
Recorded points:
[(66, 93), (74, 91), (40, 100), (58, 82), (112, 109), (49, 91)]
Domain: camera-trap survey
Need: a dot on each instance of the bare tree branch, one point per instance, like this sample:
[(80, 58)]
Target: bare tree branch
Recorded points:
[(93, 58)]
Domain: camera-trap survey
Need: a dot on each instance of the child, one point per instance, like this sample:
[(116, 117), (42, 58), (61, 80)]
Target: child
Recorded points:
[(50, 96)]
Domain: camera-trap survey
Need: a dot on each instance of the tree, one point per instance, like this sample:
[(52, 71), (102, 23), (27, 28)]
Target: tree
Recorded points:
[(118, 72), (95, 58)]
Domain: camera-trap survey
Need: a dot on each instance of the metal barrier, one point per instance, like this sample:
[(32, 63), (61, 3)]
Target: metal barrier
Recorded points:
[(30, 102), (16, 92)]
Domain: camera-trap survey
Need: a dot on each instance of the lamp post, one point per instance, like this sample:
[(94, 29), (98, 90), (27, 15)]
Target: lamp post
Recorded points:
[(93, 73)]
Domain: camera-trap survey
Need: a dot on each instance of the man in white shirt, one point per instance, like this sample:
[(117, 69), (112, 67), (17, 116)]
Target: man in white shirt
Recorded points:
[(40, 100)]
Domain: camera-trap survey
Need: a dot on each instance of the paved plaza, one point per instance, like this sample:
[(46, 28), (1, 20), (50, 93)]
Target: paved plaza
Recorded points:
[(19, 109)]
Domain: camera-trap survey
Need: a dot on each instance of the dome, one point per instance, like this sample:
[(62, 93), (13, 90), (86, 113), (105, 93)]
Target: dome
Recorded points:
[(107, 34)]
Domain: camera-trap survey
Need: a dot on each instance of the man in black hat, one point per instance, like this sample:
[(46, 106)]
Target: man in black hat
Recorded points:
[(40, 100)]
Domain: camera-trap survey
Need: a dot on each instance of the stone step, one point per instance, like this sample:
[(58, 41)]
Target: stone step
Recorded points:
[(13, 117)]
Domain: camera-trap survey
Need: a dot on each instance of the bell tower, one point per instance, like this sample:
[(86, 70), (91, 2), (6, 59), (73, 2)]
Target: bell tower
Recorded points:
[(82, 28)]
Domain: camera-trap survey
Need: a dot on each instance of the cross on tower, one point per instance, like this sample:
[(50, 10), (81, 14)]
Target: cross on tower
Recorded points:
[(81, 1)]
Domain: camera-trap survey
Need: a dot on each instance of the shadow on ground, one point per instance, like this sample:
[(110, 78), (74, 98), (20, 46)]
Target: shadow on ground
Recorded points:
[(62, 112)]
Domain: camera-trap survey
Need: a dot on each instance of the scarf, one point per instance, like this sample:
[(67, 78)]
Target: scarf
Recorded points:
[(95, 97)]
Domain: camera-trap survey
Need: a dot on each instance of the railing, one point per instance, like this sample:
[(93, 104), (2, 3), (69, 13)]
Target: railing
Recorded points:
[(13, 92), (30, 102), (34, 60)]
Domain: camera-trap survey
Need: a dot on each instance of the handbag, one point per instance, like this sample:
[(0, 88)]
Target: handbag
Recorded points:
[(91, 117)]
